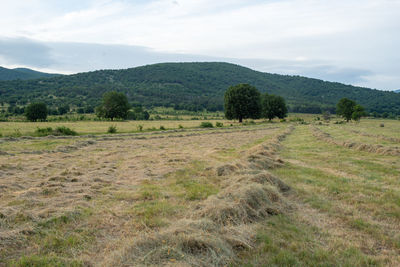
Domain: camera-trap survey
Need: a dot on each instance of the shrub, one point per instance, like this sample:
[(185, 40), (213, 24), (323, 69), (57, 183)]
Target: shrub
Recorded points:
[(382, 125), (17, 133), (180, 126), (206, 124), (43, 131), (283, 120), (219, 124), (140, 127), (162, 128), (296, 119), (62, 130), (112, 129)]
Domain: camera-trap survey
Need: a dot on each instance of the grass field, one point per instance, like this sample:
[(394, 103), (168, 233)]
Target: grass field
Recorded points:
[(258, 195), (100, 127)]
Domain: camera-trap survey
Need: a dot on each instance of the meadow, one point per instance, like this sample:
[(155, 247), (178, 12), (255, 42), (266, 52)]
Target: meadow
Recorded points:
[(303, 192)]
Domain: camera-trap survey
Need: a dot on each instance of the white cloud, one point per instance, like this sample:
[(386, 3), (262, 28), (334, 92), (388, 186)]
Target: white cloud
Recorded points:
[(352, 34)]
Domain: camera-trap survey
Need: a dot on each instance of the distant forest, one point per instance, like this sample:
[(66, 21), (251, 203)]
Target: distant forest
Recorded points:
[(190, 86), (22, 74)]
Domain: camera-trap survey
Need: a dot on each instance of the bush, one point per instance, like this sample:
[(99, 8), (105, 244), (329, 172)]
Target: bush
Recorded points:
[(180, 126), (162, 128), (140, 127), (112, 129), (296, 119), (219, 124), (381, 125), (62, 130), (206, 124), (283, 120), (43, 131)]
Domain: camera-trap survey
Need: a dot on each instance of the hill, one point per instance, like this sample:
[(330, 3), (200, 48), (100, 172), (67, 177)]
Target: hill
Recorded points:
[(192, 86), (22, 74), (397, 91)]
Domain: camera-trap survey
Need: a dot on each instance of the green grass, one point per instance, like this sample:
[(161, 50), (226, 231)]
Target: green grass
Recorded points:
[(281, 241), (44, 261), (359, 189), (153, 214)]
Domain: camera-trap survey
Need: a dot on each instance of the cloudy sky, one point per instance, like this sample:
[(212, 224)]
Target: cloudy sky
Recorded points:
[(351, 41)]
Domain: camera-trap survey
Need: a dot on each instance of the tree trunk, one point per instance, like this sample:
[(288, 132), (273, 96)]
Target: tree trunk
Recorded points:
[(240, 119)]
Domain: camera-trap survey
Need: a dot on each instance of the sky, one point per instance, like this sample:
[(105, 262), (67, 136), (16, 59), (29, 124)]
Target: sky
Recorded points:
[(350, 41)]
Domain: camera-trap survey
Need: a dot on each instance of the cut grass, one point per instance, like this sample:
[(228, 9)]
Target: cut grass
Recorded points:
[(153, 214), (281, 241), (336, 181), (44, 261), (347, 203)]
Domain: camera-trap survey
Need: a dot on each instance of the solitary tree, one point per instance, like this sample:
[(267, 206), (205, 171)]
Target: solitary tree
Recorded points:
[(345, 108), (242, 101), (273, 106), (36, 111), (114, 105)]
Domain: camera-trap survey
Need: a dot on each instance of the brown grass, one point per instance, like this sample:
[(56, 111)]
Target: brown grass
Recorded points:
[(221, 225), (379, 149), (88, 199)]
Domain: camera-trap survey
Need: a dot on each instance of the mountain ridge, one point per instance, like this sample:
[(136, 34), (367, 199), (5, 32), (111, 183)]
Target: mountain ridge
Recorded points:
[(22, 74), (192, 86)]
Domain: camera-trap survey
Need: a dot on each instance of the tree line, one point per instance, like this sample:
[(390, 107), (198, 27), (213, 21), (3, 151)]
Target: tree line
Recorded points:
[(242, 101)]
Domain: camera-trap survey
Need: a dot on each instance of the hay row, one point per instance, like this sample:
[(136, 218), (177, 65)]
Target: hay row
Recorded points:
[(119, 136), (381, 137), (95, 139), (379, 149), (221, 225)]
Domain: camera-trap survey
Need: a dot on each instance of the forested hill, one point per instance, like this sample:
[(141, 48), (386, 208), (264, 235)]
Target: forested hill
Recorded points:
[(191, 86), (22, 74)]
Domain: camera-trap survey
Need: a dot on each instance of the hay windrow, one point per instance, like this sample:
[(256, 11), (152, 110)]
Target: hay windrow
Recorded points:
[(222, 224), (379, 149), (378, 136)]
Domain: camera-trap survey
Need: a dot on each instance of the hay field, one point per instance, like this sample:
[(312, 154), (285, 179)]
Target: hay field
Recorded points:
[(100, 127), (280, 194)]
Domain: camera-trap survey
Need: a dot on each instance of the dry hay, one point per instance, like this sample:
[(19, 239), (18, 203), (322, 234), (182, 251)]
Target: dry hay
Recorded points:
[(379, 136), (242, 204), (221, 225), (379, 149), (191, 243)]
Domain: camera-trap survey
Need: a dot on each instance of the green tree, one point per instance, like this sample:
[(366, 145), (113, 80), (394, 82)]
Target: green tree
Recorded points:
[(242, 101), (345, 108), (114, 105), (63, 109), (358, 112), (36, 111), (273, 106)]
